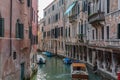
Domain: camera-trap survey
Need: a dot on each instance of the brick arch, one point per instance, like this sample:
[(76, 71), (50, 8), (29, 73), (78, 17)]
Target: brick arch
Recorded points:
[(8, 68)]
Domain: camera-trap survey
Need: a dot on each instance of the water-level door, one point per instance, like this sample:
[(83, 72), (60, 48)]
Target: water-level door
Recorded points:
[(22, 72)]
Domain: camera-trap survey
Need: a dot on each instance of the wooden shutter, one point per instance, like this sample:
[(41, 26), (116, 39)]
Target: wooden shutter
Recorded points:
[(20, 31), (17, 30), (1, 27)]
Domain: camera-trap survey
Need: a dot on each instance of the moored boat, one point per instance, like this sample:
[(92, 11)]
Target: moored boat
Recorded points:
[(41, 59), (79, 71), (49, 54), (67, 60)]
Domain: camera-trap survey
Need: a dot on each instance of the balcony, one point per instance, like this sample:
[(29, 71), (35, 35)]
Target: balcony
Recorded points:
[(106, 43), (73, 18), (81, 38), (96, 17)]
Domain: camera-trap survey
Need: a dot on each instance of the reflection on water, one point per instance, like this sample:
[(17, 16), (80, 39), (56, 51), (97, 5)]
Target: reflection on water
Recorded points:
[(54, 69)]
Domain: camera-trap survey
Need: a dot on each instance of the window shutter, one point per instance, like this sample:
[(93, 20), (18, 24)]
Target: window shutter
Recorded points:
[(17, 30), (56, 32), (83, 6), (30, 32), (21, 31), (89, 8), (1, 27)]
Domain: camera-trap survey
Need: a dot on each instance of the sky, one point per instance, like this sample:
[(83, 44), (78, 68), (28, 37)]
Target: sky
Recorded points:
[(41, 5)]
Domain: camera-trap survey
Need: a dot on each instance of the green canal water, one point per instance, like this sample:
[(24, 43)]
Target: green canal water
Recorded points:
[(54, 69)]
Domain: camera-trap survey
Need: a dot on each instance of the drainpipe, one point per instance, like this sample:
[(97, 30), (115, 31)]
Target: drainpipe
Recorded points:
[(31, 25), (10, 27)]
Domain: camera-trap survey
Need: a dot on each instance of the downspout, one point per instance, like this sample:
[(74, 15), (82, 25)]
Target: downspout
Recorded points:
[(31, 25), (10, 27)]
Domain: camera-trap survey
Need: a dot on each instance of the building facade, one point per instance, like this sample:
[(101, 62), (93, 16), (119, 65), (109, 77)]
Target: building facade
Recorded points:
[(53, 27), (14, 39), (34, 34), (40, 35), (91, 33)]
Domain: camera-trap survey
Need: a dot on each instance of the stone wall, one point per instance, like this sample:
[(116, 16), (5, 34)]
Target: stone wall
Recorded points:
[(10, 68)]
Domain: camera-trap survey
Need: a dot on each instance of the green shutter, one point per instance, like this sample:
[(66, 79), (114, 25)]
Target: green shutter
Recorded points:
[(19, 30), (1, 27), (17, 35)]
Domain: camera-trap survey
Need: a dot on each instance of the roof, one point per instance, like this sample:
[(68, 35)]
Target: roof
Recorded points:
[(82, 65)]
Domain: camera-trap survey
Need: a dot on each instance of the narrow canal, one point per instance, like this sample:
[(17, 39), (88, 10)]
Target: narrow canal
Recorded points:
[(54, 69)]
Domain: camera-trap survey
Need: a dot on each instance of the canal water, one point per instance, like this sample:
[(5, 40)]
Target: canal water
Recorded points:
[(54, 69)]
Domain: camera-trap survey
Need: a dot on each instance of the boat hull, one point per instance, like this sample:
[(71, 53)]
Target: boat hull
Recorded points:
[(79, 76)]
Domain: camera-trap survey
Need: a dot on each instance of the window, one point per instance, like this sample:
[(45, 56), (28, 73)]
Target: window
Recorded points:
[(45, 14), (56, 17), (69, 32), (56, 32), (79, 27), (44, 34), (82, 29), (14, 55), (44, 23), (108, 6), (78, 9), (66, 32), (89, 4), (96, 33), (107, 32), (42, 29), (84, 6), (30, 32), (49, 21), (102, 32), (59, 2), (1, 27), (61, 31), (59, 15), (85, 28), (118, 35), (35, 39), (62, 1), (93, 34), (28, 3), (34, 16), (19, 30), (53, 7)]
